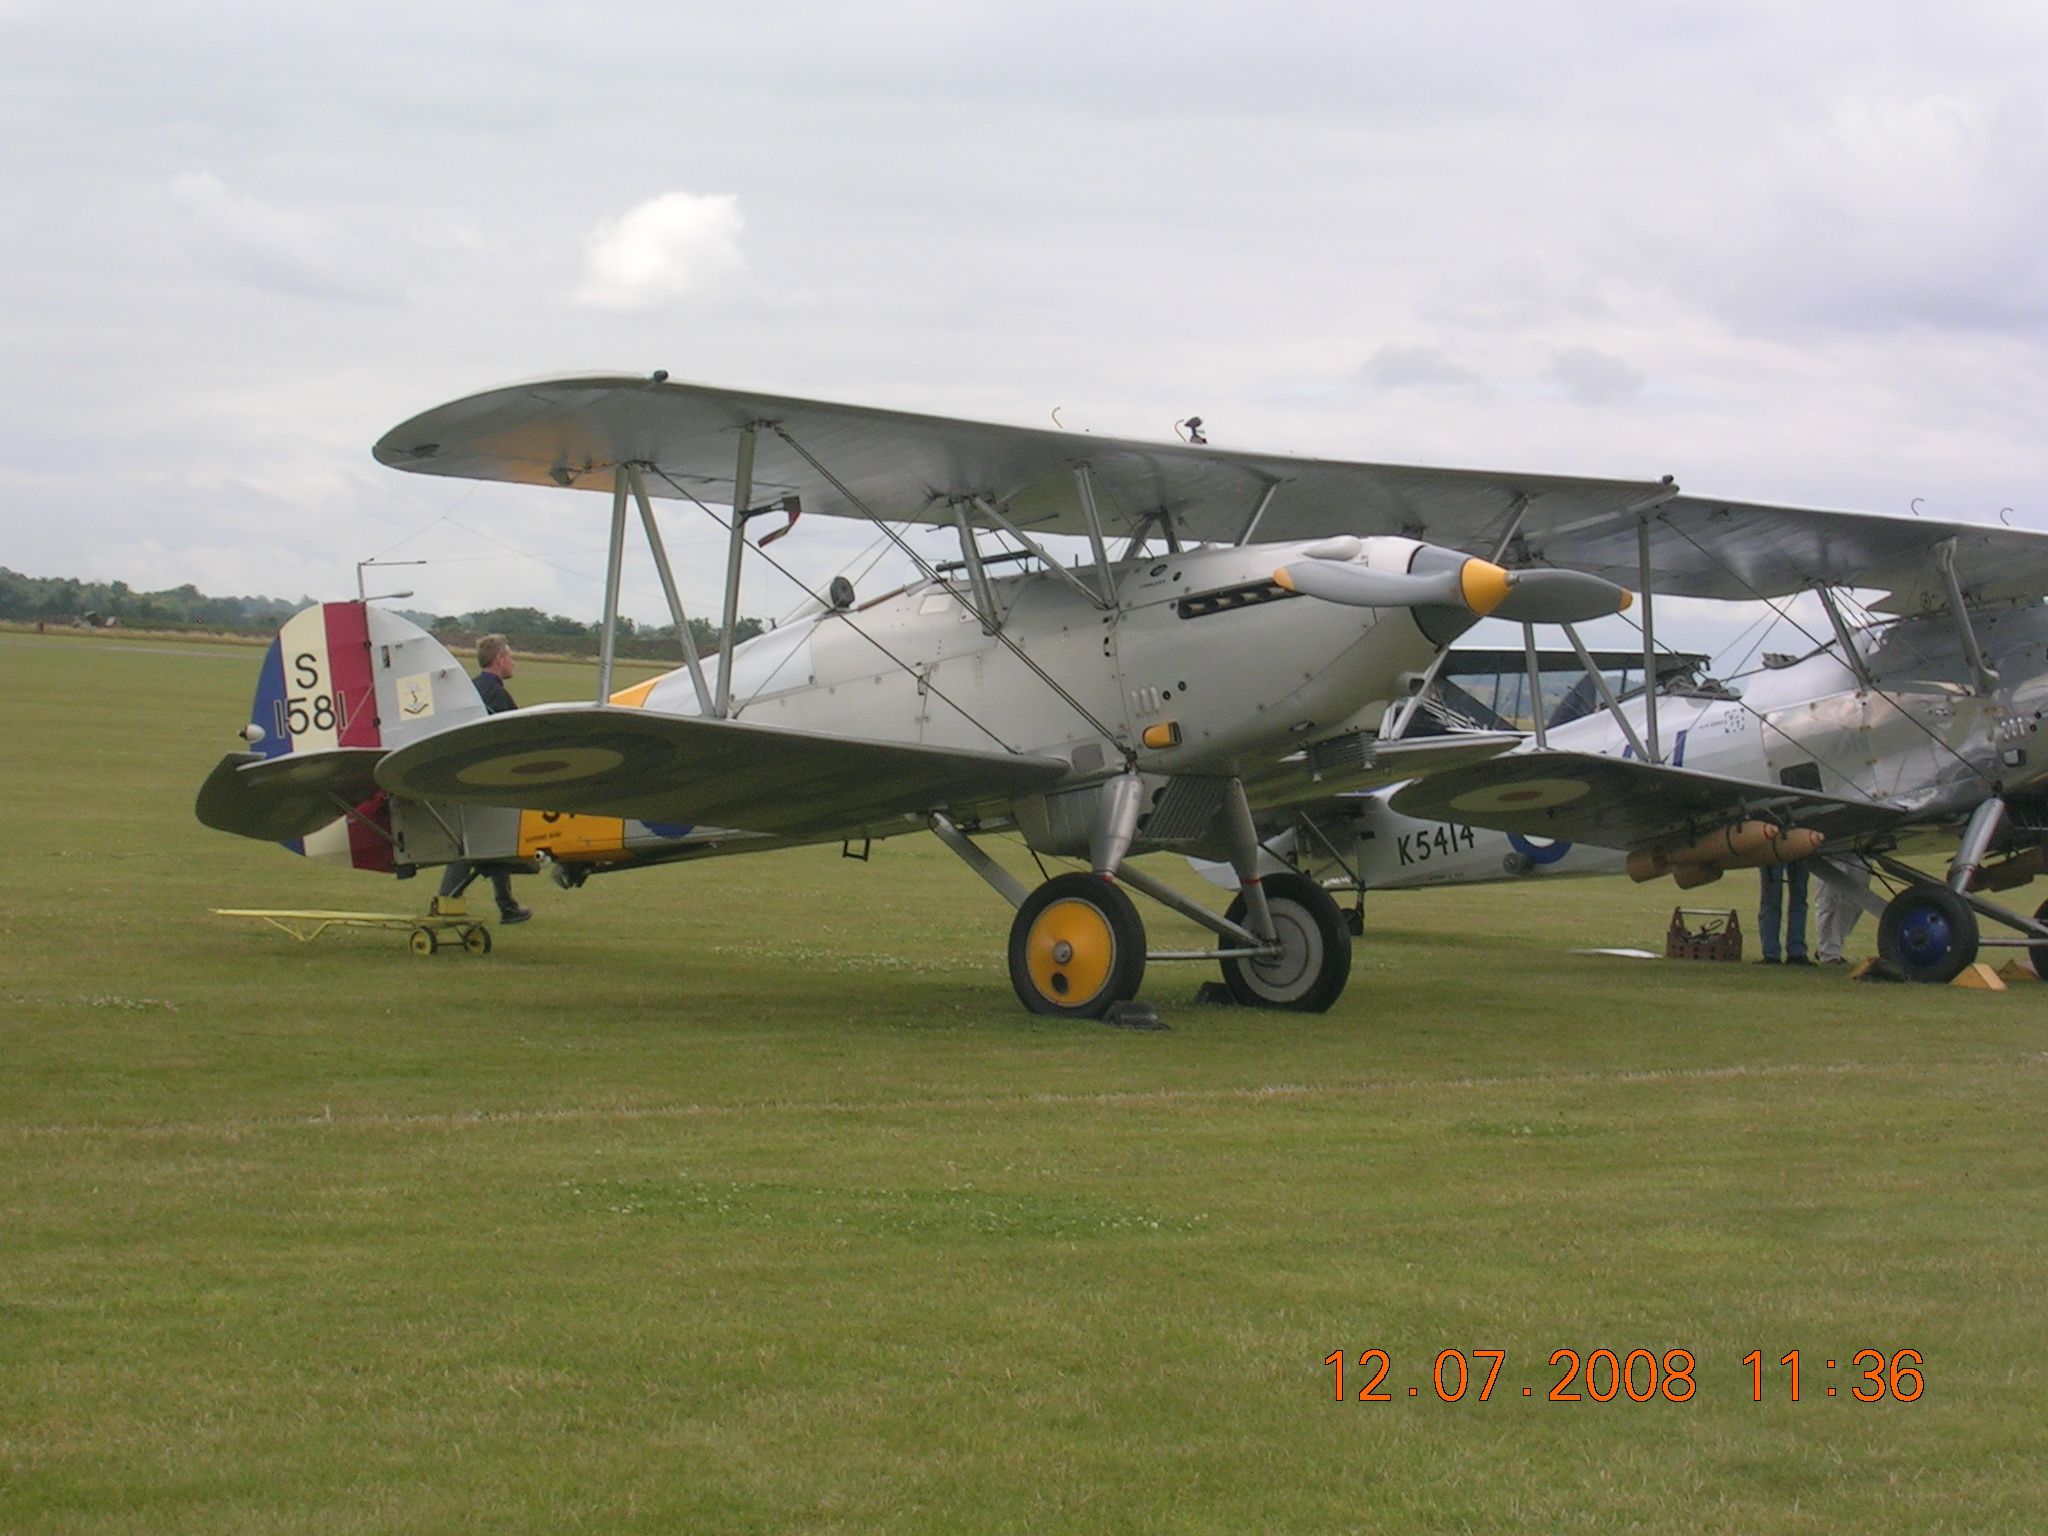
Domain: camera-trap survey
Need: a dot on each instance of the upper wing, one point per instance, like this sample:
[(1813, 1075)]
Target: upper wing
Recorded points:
[(607, 761), (902, 466), (1614, 802)]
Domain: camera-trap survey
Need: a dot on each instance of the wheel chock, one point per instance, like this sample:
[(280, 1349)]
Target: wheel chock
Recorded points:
[(1133, 1015), (1979, 977), (2017, 970), (1876, 968)]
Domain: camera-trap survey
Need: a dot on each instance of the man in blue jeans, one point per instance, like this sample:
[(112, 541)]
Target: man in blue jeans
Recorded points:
[(1776, 877), (494, 664)]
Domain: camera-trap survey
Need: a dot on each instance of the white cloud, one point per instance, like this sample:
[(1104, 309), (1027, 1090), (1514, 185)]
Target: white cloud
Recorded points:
[(675, 246)]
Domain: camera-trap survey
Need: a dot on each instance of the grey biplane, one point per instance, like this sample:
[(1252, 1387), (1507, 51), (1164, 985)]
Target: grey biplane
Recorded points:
[(1232, 648), (1913, 729)]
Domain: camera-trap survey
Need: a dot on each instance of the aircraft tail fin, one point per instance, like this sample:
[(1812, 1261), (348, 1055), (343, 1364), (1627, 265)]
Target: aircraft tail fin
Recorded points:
[(341, 684)]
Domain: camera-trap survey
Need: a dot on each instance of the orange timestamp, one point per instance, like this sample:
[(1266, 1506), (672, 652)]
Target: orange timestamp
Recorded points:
[(1606, 1375)]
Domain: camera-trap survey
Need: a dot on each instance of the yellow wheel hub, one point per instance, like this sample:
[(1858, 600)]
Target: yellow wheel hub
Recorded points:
[(1070, 952)]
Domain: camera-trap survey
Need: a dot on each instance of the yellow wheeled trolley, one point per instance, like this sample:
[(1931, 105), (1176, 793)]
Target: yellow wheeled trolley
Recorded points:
[(433, 932)]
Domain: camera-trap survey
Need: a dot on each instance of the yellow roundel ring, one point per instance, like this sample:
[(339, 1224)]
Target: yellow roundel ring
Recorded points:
[(1070, 952)]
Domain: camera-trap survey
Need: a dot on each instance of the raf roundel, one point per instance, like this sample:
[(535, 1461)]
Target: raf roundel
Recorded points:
[(1524, 795), (552, 765)]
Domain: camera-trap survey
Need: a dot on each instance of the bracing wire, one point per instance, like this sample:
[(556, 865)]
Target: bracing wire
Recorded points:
[(818, 597), (1821, 645), (933, 573)]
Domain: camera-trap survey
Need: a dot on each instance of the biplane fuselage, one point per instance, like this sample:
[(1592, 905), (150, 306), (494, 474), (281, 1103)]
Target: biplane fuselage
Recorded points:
[(1919, 740), (1201, 649)]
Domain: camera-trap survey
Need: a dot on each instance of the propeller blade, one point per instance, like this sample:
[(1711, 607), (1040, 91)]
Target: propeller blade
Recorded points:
[(1477, 585), (1561, 597)]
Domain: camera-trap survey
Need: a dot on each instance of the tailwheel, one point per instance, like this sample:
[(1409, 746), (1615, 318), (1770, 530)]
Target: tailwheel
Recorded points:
[(1314, 962), (1076, 948), (1929, 932)]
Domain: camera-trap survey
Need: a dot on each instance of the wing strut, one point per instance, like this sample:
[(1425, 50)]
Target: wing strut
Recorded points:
[(615, 558), (1642, 509), (1614, 710), (1845, 639), (1409, 705), (1656, 753), (1517, 510), (627, 481), (977, 573), (668, 586), (742, 498), (1160, 518), (1251, 524), (1535, 670), (988, 510), (1945, 562), (1084, 485)]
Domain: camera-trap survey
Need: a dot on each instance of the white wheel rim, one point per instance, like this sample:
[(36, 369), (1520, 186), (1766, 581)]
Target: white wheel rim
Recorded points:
[(1300, 961)]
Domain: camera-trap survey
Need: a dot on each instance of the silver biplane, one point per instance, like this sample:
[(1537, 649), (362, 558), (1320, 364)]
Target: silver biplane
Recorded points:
[(1914, 729), (1231, 649)]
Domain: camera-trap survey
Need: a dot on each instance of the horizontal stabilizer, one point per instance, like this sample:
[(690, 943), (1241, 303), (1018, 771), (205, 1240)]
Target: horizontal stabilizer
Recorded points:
[(276, 799), (1613, 802), (606, 761)]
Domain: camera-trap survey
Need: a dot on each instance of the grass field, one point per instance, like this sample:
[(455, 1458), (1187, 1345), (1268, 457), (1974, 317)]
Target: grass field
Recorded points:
[(744, 1197)]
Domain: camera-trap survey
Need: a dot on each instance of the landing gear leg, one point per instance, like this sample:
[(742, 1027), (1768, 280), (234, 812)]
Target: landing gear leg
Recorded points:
[(1077, 945), (1310, 960), (1931, 931)]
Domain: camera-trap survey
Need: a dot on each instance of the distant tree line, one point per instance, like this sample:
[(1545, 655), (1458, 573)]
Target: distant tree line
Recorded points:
[(531, 630), (64, 600)]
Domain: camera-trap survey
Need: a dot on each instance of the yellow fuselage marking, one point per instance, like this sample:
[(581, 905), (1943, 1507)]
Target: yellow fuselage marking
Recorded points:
[(570, 837)]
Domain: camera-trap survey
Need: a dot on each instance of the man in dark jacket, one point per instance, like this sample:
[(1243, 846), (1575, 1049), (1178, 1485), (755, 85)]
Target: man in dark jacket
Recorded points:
[(494, 663)]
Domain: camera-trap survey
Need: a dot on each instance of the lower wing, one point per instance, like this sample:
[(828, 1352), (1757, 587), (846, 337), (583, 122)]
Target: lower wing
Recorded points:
[(1618, 802), (605, 761)]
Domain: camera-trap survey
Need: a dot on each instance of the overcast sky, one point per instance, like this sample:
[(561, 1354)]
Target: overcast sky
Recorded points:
[(1784, 252)]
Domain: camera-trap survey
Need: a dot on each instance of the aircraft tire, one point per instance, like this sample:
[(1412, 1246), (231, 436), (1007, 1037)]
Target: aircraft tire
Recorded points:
[(1077, 948), (1315, 962), (1928, 932), (2038, 953)]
